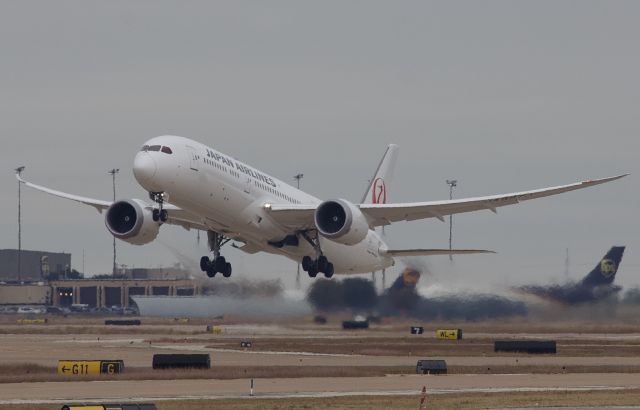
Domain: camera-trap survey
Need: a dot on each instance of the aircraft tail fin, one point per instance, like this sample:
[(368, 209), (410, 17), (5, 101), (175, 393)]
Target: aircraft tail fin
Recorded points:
[(605, 271), (408, 279), (378, 190)]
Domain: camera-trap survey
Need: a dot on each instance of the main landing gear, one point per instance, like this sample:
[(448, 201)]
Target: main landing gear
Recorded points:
[(158, 214), (321, 264), (219, 263)]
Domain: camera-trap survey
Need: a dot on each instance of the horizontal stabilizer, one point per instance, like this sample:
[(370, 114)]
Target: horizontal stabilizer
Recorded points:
[(431, 252)]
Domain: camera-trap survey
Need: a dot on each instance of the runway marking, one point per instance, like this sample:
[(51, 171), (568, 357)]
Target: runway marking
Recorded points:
[(287, 353), (204, 348), (326, 394)]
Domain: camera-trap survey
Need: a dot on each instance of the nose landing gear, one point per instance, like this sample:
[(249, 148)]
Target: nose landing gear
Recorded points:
[(158, 214), (218, 264)]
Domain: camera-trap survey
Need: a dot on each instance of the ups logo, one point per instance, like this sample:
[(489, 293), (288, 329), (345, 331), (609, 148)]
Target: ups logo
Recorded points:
[(608, 267), (410, 277)]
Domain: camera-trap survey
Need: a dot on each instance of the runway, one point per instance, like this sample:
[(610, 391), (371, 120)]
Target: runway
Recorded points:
[(46, 392)]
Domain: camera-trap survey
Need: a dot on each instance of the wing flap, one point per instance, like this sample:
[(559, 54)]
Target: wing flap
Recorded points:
[(432, 252), (293, 216)]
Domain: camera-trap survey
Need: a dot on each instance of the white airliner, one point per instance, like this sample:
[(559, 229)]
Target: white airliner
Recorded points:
[(197, 187)]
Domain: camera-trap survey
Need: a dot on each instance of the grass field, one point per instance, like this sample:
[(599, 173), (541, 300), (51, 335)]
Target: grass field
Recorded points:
[(36, 373), (573, 339), (91, 323), (437, 401), (416, 345)]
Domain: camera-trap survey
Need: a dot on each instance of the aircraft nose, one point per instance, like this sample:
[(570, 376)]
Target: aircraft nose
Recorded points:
[(144, 168)]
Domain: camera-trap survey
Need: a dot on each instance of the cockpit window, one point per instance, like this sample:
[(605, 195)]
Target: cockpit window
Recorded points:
[(154, 148), (167, 150), (144, 148)]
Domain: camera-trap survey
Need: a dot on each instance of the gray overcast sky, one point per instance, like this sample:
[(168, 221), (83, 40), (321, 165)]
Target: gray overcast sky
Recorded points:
[(501, 95)]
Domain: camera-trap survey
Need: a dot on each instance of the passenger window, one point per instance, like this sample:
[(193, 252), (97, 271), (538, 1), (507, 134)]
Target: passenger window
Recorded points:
[(154, 148), (167, 150)]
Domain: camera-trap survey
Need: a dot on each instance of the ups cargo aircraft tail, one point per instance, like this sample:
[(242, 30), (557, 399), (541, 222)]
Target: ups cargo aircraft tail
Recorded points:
[(597, 285), (195, 186), (407, 279)]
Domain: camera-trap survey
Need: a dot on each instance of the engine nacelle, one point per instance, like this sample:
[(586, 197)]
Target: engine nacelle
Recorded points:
[(131, 221), (341, 221)]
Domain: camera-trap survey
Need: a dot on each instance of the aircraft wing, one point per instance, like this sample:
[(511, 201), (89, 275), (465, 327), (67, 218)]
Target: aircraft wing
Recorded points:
[(300, 217), (99, 204), (177, 216), (384, 214), (432, 252)]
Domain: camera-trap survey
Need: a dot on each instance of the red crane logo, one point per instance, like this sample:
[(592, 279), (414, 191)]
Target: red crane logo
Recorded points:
[(379, 192)]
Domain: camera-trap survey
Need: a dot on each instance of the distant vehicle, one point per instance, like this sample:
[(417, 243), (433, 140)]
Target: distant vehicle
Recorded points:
[(54, 310), (597, 285), (358, 322), (232, 201), (101, 311), (80, 307), (130, 311), (31, 310), (319, 319)]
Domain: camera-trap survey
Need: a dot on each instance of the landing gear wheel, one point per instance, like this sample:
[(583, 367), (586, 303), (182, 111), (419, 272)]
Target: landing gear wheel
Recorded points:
[(322, 263), (204, 263), (220, 264), (158, 214), (329, 272), (313, 272), (227, 270), (306, 263)]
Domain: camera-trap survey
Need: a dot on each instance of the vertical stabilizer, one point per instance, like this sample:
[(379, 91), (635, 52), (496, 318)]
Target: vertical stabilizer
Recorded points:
[(408, 279), (605, 271), (378, 191)]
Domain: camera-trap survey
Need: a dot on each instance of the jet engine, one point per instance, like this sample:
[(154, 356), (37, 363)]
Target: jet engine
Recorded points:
[(341, 221), (132, 221)]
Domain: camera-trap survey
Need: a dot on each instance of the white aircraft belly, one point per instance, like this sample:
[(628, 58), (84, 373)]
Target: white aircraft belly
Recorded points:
[(360, 258)]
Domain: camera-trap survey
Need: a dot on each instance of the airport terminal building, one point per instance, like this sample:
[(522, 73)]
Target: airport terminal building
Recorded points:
[(32, 266), (41, 279)]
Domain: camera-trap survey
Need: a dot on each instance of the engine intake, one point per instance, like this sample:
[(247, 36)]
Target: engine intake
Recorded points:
[(132, 221), (341, 221)]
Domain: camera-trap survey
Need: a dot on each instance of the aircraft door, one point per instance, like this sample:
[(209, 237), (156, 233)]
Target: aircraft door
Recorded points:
[(193, 158)]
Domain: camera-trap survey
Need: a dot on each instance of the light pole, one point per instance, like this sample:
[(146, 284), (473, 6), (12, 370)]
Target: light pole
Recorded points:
[(452, 183), (298, 177), (19, 172), (113, 173)]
